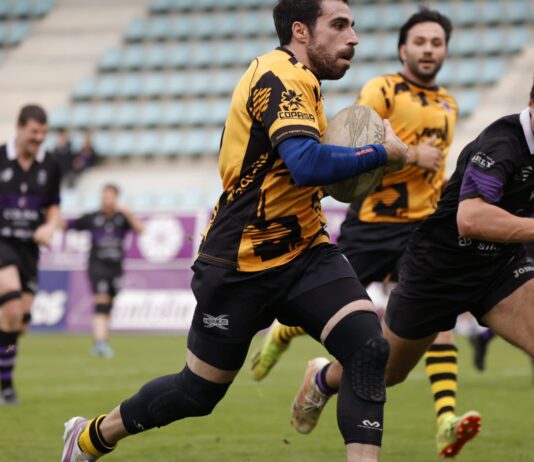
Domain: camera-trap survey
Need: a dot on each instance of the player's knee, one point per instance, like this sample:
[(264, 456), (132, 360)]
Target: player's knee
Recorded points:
[(394, 377), (11, 309), (170, 398), (103, 308)]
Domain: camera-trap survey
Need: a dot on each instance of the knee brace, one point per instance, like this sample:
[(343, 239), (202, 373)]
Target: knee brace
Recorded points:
[(358, 344), (170, 398), (103, 308), (8, 296)]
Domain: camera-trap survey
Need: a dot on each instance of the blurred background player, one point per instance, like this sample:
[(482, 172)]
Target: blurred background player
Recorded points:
[(377, 229), (108, 227), (265, 252), (29, 214)]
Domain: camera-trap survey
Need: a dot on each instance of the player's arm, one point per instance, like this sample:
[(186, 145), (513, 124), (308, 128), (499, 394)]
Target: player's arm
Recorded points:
[(314, 164), (45, 232), (478, 219), (136, 224)]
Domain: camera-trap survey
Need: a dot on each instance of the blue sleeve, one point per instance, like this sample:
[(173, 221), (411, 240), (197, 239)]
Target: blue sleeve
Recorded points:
[(314, 164)]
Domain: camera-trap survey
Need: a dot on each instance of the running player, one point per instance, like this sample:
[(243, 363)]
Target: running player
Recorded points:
[(29, 214), (377, 229), (265, 253), (108, 227)]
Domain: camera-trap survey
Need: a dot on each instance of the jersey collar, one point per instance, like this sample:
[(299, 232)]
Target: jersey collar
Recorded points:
[(12, 151), (524, 118)]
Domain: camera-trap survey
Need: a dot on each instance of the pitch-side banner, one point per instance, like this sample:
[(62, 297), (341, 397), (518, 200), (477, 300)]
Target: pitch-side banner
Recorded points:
[(155, 293)]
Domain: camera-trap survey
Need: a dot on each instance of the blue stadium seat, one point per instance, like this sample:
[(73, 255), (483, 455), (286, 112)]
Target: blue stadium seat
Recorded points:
[(493, 12), (159, 28), (176, 84), (124, 144), (104, 115), (465, 42), (516, 39), (493, 41), (107, 87), (161, 6), (127, 115), (153, 85), (367, 17), (3, 34), (519, 11), (466, 72), (130, 86), (468, 101), (4, 9), (18, 31), (149, 143), (172, 143), (166, 201), (41, 7), (80, 116), (111, 61), (150, 115), (21, 9), (198, 84), (174, 114), (196, 143), (182, 28), (369, 48), (85, 89), (196, 112), (59, 117), (70, 201), (217, 112), (133, 57), (155, 57), (102, 142), (467, 12), (223, 82), (491, 71), (178, 55), (201, 54), (137, 30)]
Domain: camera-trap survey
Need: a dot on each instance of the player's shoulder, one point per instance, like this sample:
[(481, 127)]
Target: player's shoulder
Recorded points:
[(384, 81)]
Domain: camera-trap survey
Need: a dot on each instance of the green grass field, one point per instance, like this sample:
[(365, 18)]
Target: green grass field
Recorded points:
[(57, 378)]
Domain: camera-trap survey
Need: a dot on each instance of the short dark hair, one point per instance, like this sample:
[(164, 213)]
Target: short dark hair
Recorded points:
[(113, 187), (32, 112), (286, 12), (425, 15)]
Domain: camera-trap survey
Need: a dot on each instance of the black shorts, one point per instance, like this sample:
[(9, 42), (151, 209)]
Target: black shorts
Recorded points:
[(105, 280), (419, 307), (374, 249), (232, 306), (23, 255)]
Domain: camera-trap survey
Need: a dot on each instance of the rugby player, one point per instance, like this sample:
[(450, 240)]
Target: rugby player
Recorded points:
[(108, 227), (377, 229), (29, 214), (265, 253)]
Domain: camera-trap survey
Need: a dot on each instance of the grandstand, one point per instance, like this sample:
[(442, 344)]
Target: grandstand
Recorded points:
[(154, 81)]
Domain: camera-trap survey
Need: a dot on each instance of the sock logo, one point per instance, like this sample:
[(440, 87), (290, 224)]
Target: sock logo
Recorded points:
[(368, 425), (220, 322)]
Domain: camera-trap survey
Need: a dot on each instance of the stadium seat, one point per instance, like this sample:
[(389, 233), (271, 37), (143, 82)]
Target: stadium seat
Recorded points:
[(468, 101), (161, 6), (492, 13), (133, 57), (491, 71), (136, 31), (102, 142), (80, 116), (150, 115), (41, 7), (153, 85), (174, 114), (85, 89), (104, 115), (519, 11), (217, 112), (130, 86), (149, 143), (111, 61), (155, 57), (158, 28), (516, 39), (175, 84), (124, 144), (366, 17), (21, 9), (196, 112), (59, 117), (127, 115), (107, 87), (17, 32), (172, 143)]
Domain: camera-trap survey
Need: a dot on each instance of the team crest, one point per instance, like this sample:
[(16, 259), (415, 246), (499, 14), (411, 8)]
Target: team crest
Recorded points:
[(7, 174), (291, 101)]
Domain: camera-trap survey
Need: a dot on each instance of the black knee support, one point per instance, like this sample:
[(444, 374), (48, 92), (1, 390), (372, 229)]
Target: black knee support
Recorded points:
[(170, 398), (103, 308), (8, 296), (358, 344)]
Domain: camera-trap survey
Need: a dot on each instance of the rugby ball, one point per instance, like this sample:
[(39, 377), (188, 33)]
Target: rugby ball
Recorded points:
[(355, 126)]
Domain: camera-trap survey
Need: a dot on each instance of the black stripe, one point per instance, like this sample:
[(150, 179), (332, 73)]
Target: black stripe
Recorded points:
[(442, 348), (445, 409), (445, 376), (441, 360), (444, 394), (93, 435)]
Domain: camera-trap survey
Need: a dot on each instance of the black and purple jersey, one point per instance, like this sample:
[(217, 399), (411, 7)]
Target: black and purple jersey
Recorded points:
[(107, 237), (26, 194), (498, 166)]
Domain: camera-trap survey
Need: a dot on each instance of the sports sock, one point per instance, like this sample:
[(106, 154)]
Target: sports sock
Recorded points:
[(442, 371), (320, 381), (284, 334), (8, 354), (91, 440)]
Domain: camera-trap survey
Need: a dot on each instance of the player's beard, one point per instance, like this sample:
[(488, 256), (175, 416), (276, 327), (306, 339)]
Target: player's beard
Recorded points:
[(424, 75), (324, 64)]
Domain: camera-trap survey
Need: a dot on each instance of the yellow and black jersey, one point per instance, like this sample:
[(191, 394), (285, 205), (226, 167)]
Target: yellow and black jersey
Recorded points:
[(416, 114), (263, 219)]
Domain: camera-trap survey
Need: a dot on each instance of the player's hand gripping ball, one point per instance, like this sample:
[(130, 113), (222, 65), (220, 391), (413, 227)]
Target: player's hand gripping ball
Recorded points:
[(354, 127)]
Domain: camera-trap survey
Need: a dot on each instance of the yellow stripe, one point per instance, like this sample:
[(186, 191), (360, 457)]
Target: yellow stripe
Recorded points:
[(443, 368), (443, 385), (444, 402), (85, 443)]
